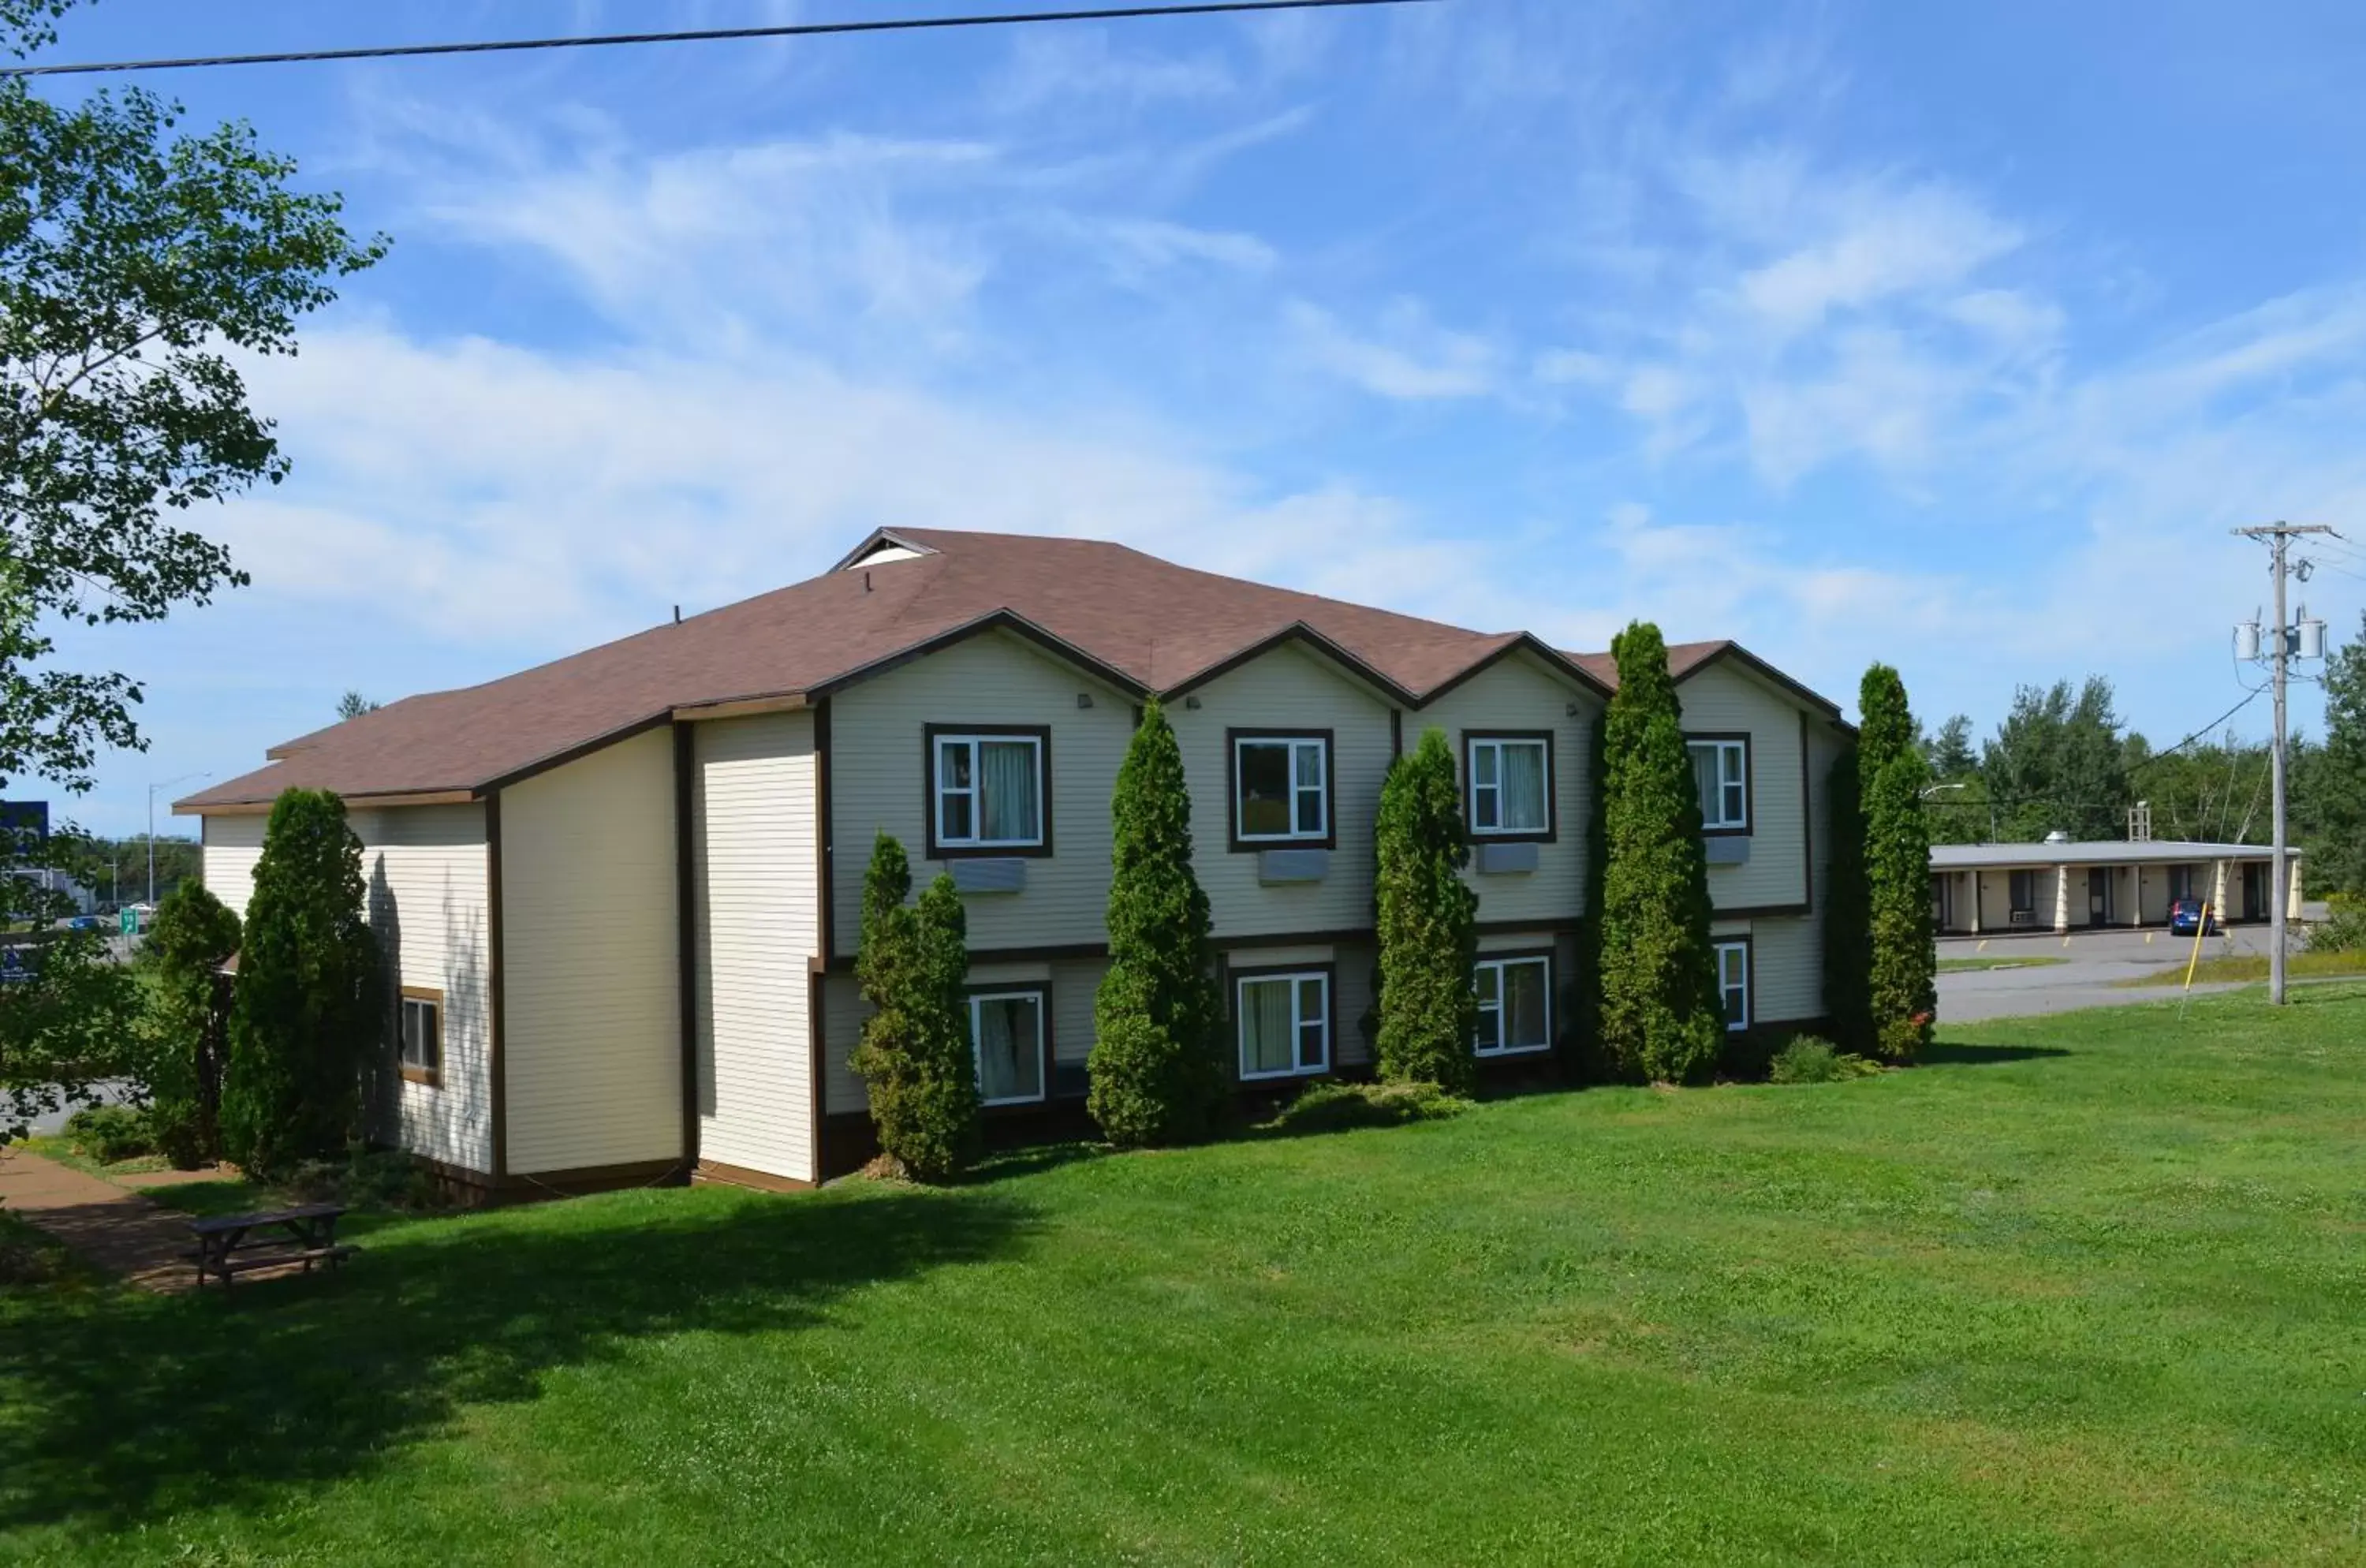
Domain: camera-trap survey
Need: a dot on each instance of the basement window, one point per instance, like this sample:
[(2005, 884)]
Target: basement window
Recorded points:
[(1006, 1033), (1515, 1004), (1733, 983), (1285, 1024)]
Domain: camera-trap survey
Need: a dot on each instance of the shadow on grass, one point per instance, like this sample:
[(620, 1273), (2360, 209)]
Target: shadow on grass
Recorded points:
[(1959, 1054), (121, 1406)]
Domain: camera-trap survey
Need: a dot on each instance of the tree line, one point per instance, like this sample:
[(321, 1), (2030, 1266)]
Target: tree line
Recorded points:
[(2064, 760)]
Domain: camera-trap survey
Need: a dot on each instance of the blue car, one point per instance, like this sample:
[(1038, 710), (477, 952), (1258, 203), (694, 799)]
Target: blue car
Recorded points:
[(85, 923), (2185, 918)]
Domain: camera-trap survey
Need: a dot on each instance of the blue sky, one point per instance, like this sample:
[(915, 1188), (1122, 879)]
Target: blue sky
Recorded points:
[(1956, 337)]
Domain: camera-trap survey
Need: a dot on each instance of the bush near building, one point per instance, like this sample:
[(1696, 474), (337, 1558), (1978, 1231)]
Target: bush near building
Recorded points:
[(915, 1056), (1428, 923)]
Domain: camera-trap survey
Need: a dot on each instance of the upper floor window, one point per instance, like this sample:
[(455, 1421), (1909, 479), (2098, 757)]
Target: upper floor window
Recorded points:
[(422, 1035), (1721, 772), (1006, 1035), (1282, 787), (988, 790), (1510, 784), (1515, 1004), (1285, 1024)]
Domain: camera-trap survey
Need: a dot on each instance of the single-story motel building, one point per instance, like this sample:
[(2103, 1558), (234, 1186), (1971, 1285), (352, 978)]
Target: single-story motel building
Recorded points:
[(2062, 886)]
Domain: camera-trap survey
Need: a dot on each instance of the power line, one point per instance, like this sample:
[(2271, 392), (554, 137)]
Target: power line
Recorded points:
[(797, 29)]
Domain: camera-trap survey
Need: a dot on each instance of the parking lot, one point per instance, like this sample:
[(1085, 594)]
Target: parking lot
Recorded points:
[(2087, 973)]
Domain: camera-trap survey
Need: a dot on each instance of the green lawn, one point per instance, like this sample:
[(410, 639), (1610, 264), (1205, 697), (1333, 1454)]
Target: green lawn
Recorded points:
[(2243, 966), (2087, 1289), (2000, 961)]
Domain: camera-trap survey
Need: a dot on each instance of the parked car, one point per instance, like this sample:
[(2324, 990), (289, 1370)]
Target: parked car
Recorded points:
[(2185, 917)]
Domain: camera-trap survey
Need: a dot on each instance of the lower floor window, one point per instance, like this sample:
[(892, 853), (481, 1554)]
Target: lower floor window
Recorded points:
[(1733, 982), (422, 1035), (1515, 1004), (1005, 1030), (1285, 1021)]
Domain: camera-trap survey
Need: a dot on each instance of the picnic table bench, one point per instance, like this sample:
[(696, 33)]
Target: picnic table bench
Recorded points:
[(232, 1244)]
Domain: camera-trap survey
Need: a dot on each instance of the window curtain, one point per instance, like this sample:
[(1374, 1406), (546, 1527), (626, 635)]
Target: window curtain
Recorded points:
[(1524, 1005), (1009, 770), (1524, 788), (1268, 1026), (1707, 779), (1007, 1067)]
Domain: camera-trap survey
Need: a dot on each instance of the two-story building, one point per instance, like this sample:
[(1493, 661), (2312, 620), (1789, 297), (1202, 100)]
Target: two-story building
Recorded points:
[(620, 891)]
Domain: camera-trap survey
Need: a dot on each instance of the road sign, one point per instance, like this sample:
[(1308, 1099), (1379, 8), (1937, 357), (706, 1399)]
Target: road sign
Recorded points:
[(131, 918)]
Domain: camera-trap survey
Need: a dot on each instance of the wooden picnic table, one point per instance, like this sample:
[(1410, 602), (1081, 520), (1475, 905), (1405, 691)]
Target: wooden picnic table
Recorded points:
[(232, 1244)]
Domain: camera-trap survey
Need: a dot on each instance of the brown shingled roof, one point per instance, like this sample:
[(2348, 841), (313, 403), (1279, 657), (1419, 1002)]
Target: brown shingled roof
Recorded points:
[(1688, 659), (1144, 624)]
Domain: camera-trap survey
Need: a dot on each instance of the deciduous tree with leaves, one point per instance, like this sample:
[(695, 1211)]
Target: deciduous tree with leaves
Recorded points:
[(138, 262), (1155, 1078), (1662, 1015), (1429, 922)]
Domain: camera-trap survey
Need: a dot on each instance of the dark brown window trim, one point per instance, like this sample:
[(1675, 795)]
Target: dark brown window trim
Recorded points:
[(1238, 845), (1477, 835), (930, 734), (1748, 780), (1042, 991), (1329, 970), (429, 1077), (1552, 1001), (1748, 943)]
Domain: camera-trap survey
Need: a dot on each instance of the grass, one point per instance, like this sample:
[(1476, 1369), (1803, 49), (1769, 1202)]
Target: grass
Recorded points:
[(59, 1147), (2249, 966), (2004, 961), (2085, 1289)]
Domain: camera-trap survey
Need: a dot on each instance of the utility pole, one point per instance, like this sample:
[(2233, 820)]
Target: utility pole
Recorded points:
[(2282, 648), (153, 788)]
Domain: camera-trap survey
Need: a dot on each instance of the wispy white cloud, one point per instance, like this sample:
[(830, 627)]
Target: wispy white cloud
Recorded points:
[(1406, 356)]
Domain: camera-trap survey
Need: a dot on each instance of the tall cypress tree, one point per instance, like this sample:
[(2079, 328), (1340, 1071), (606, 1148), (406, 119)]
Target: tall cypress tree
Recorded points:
[(306, 1019), (1848, 941), (1155, 1078), (1428, 923), (1661, 1017), (914, 1057), (192, 933), (1902, 975)]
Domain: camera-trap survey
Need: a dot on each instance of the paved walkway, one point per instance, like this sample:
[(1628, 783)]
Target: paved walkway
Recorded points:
[(120, 1231)]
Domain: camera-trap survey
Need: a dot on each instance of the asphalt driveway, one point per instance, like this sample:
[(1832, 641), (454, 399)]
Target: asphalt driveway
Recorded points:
[(2092, 963)]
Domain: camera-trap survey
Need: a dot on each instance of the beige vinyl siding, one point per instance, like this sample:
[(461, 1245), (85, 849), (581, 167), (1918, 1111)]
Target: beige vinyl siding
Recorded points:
[(232, 845), (879, 770), (592, 1024), (1724, 699), (1787, 979), (758, 928), (1075, 983), (1520, 692), (1286, 689), (426, 872)]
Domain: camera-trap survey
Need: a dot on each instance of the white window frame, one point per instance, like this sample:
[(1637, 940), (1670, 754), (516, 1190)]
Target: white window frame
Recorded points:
[(1497, 744), (939, 791), (1510, 960), (428, 1075), (1322, 790), (1042, 1001), (1738, 750), (1733, 947), (1297, 980)]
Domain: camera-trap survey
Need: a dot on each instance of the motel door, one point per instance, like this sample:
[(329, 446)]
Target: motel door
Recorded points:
[(2255, 892), (2099, 897)]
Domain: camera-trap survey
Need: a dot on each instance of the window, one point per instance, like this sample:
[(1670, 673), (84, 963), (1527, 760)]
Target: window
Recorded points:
[(2023, 889), (1515, 1004), (1733, 983), (1006, 1033), (1285, 1025), (423, 1036), (1721, 773), (1510, 784), (987, 791), (1282, 788), (2180, 882)]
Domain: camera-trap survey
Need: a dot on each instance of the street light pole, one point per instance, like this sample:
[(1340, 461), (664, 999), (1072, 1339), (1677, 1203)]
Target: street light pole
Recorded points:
[(153, 788)]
